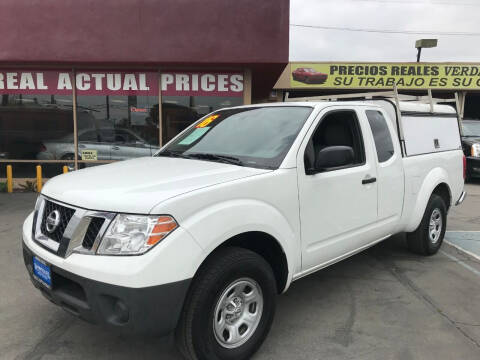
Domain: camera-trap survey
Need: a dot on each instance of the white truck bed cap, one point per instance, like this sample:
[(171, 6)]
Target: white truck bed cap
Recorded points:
[(413, 106)]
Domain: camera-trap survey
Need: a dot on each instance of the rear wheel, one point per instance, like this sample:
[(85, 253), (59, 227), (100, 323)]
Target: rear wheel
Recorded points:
[(229, 309), (428, 237)]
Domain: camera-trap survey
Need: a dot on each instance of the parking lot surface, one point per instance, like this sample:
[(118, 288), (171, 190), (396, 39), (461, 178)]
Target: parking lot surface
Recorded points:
[(383, 303)]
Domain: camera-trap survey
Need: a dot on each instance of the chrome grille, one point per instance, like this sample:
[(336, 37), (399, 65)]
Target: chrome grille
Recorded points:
[(66, 214), (92, 232), (75, 230)]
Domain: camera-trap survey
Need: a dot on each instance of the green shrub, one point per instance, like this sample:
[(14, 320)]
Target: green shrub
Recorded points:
[(29, 186), (3, 187)]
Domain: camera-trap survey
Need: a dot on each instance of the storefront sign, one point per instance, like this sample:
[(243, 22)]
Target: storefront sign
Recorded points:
[(121, 83), (383, 76)]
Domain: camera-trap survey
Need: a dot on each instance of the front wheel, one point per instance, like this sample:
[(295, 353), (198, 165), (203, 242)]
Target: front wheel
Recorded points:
[(230, 307), (428, 237)]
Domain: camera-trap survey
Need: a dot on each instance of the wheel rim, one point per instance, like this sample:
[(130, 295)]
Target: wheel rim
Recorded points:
[(435, 227), (238, 313), (70, 166)]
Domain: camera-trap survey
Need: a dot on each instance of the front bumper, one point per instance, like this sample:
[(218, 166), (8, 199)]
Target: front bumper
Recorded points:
[(148, 310), (473, 166)]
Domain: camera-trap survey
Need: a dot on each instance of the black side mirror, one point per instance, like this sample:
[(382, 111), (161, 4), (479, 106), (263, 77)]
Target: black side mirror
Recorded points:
[(332, 157)]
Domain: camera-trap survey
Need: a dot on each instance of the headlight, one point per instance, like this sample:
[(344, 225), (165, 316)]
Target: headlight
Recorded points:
[(475, 151), (135, 234)]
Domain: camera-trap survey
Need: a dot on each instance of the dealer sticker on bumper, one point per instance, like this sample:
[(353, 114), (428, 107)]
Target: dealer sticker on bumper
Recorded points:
[(41, 272)]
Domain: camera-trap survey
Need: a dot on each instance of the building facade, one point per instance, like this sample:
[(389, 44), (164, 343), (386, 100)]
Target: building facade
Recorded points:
[(85, 83)]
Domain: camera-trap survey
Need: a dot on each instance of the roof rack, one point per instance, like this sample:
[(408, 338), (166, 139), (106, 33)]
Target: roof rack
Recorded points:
[(393, 94)]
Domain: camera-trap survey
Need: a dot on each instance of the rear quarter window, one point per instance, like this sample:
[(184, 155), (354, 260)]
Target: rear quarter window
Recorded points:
[(381, 135)]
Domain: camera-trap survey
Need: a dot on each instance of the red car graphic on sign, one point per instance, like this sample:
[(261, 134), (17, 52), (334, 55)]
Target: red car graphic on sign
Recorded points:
[(309, 76)]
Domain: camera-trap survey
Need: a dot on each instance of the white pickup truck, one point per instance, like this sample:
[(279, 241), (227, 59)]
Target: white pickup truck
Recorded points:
[(202, 237)]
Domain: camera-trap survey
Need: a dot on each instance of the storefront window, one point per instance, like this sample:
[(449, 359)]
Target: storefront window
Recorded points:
[(178, 112), (117, 114), (187, 96), (33, 114), (117, 127)]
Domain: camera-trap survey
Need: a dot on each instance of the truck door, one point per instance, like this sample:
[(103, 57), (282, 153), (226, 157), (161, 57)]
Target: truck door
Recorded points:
[(390, 176), (338, 206)]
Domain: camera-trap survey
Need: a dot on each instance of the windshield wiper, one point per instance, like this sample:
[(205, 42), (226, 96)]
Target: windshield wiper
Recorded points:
[(216, 157), (171, 153), (202, 156)]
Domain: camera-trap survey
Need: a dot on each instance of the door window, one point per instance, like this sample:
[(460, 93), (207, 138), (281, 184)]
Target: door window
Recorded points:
[(88, 136), (337, 128), (381, 135)]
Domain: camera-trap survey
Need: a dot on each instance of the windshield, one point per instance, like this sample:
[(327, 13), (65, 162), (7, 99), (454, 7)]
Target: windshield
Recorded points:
[(310, 70), (255, 137), (471, 128)]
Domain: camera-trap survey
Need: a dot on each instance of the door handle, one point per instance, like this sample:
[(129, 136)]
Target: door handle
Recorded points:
[(369, 180), (115, 148)]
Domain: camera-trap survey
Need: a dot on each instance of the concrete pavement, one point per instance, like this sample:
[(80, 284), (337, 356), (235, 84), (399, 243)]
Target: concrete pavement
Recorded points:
[(467, 216), (383, 303)]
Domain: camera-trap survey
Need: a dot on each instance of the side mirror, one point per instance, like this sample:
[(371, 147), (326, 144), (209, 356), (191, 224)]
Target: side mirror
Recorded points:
[(332, 157)]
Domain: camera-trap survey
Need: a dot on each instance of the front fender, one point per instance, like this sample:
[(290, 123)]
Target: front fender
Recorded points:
[(435, 177), (215, 224)]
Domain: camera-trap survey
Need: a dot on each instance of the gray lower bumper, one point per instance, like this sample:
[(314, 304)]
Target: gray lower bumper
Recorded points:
[(152, 310)]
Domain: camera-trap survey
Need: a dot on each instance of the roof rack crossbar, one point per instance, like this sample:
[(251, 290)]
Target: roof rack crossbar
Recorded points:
[(428, 99)]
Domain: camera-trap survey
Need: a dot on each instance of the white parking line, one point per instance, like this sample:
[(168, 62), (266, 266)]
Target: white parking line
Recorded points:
[(455, 239), (462, 249), (460, 262)]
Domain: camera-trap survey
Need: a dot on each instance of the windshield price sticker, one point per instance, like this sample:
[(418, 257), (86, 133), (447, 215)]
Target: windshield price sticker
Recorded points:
[(89, 155), (195, 135), (207, 121)]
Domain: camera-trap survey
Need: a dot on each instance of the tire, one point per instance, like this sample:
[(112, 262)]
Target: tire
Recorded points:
[(71, 166), (196, 337), (428, 237)]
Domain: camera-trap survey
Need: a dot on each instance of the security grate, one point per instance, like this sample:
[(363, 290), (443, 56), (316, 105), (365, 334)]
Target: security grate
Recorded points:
[(92, 232), (65, 214)]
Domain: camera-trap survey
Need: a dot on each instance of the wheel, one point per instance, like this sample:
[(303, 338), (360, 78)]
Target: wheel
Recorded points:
[(229, 308), (71, 166), (428, 237)]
